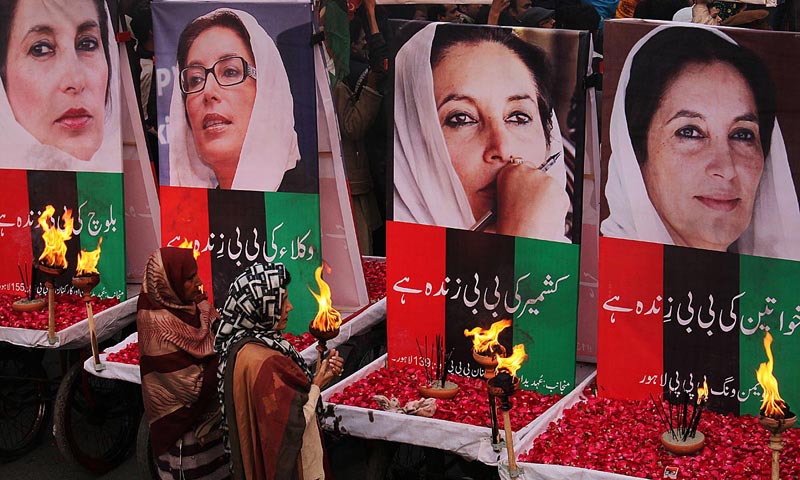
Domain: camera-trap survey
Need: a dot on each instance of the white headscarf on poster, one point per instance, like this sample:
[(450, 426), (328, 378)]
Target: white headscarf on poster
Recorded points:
[(775, 227), (270, 146), (427, 189), (19, 149)]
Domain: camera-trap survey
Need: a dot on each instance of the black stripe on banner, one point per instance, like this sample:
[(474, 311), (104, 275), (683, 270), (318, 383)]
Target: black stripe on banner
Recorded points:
[(696, 342), (59, 189), (469, 254), (229, 210)]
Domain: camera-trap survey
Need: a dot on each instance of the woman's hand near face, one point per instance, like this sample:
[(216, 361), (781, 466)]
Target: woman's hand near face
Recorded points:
[(530, 203), (495, 10), (329, 368)]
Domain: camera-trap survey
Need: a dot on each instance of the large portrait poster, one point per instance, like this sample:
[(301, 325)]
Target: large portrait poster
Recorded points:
[(488, 141), (700, 219), (60, 140), (238, 141)]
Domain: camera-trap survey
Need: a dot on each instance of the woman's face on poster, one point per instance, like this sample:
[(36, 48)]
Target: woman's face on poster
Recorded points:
[(705, 156), (219, 115), (486, 99), (57, 74)]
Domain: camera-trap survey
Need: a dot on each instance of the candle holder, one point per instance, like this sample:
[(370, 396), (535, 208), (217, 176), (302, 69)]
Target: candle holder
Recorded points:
[(27, 303), (489, 363), (322, 337), (86, 283), (435, 365), (504, 385), (50, 273), (776, 427)]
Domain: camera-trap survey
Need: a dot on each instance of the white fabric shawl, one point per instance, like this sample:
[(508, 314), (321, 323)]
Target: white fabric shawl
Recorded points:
[(270, 145), (21, 150), (775, 228), (427, 189)]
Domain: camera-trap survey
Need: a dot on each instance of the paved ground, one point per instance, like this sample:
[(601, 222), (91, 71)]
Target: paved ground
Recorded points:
[(46, 462)]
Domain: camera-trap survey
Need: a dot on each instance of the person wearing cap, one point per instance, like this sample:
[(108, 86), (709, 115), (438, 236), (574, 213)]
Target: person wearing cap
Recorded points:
[(538, 17)]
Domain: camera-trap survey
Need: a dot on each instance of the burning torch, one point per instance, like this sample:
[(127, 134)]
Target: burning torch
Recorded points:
[(326, 323), (774, 415), (505, 384), (53, 260), (86, 278), (485, 348)]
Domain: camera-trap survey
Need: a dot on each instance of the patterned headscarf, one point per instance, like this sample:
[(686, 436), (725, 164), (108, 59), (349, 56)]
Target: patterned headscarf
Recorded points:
[(253, 309)]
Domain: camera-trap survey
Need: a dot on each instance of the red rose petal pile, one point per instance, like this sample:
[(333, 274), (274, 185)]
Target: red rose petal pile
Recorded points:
[(129, 354), (470, 405), (300, 342), (624, 437), (70, 309), (375, 275)]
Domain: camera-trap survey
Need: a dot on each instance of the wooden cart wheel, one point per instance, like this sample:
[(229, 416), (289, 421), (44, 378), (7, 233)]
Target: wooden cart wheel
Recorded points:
[(24, 402), (95, 420)]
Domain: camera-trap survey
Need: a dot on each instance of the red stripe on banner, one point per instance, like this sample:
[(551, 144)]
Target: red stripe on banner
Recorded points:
[(631, 318), (15, 232), (415, 270), (184, 215)]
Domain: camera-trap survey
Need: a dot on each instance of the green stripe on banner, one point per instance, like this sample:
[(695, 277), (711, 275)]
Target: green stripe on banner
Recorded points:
[(771, 300), (293, 227), (101, 214), (546, 321)]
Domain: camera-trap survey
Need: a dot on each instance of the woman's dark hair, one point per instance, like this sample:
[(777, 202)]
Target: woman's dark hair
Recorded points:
[(221, 18), (659, 62), (9, 10), (450, 35)]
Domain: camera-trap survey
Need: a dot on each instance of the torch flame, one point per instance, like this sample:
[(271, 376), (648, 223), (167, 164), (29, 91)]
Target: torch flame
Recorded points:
[(486, 340), (87, 261), (328, 318), (772, 405), (187, 244), (55, 248), (511, 364), (702, 392)]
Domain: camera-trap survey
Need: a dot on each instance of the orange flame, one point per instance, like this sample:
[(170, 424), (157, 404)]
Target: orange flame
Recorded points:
[(55, 248), (702, 392), (486, 340), (187, 244), (328, 318), (87, 261), (511, 364), (772, 405)]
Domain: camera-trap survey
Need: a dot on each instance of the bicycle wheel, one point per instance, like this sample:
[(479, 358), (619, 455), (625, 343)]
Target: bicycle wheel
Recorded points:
[(24, 403), (95, 420), (144, 455)]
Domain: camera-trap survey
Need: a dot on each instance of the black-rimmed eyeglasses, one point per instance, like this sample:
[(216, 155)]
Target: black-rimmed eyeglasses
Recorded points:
[(227, 71)]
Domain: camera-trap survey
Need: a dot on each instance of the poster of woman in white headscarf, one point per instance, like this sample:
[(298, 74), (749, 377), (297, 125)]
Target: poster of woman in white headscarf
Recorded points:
[(488, 141), (700, 218), (60, 140), (238, 159), (235, 98), (482, 132), (59, 101), (698, 156)]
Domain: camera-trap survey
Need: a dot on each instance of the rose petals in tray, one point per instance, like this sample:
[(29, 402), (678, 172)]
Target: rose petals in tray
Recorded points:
[(470, 405), (129, 354), (70, 309), (623, 437)]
